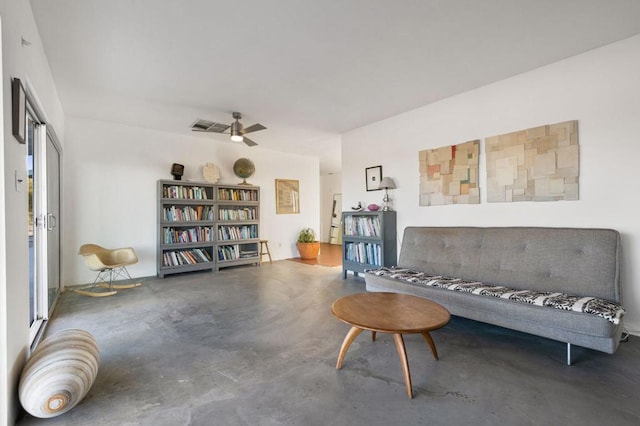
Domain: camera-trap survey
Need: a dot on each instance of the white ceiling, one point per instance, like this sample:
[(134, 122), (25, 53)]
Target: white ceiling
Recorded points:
[(309, 70)]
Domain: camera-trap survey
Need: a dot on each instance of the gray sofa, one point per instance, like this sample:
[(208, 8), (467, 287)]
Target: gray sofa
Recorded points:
[(546, 261)]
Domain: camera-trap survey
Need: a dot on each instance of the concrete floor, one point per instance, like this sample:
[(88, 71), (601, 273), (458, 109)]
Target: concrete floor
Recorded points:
[(258, 346)]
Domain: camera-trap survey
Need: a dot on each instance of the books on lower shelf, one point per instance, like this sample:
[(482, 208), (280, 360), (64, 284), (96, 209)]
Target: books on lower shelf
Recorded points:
[(368, 253), (248, 253), (233, 252), (185, 257)]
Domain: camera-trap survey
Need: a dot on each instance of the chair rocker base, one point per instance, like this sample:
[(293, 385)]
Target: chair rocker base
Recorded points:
[(108, 274), (85, 292), (118, 286)]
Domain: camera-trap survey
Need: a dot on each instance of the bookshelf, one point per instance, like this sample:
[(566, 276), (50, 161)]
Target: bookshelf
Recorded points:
[(368, 241), (186, 236), (237, 225)]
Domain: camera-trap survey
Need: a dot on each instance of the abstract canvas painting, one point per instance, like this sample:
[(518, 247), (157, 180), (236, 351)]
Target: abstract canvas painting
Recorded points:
[(449, 175), (537, 164)]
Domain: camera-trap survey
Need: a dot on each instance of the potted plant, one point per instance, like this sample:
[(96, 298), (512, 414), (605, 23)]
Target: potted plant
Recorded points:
[(307, 244)]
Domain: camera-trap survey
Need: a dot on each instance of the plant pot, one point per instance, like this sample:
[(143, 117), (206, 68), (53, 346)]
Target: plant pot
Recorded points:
[(309, 250)]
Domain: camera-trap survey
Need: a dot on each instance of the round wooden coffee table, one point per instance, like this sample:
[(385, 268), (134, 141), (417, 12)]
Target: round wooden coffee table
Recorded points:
[(392, 313)]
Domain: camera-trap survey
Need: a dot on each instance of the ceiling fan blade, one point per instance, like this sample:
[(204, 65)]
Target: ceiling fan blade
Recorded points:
[(218, 128), (253, 128), (248, 141)]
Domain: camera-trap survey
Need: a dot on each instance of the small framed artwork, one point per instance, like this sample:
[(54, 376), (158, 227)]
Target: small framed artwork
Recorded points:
[(287, 196), (373, 176), (19, 110)]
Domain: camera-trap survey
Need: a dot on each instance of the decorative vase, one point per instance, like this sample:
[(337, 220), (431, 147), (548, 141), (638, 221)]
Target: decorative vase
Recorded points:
[(59, 373), (309, 250)]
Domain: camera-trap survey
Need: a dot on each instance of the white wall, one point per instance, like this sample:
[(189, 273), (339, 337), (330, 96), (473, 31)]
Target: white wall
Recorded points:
[(111, 173), (28, 63), (599, 89)]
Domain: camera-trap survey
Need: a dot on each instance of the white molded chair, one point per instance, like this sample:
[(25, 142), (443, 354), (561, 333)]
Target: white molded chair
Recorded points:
[(110, 264)]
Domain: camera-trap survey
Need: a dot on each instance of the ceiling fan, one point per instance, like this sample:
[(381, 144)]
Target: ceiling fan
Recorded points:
[(235, 129)]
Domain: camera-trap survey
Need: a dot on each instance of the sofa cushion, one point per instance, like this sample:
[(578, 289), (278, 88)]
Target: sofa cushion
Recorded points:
[(581, 262)]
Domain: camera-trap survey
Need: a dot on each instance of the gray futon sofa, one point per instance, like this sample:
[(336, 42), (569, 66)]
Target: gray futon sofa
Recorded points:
[(559, 283)]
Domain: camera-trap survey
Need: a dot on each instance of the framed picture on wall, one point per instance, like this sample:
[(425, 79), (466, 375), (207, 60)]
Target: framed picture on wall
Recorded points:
[(287, 196), (18, 110), (373, 176)]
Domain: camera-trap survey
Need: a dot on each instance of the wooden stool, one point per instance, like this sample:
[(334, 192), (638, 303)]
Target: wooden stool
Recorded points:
[(264, 244)]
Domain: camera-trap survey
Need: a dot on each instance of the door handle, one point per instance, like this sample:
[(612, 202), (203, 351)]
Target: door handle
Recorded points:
[(51, 222)]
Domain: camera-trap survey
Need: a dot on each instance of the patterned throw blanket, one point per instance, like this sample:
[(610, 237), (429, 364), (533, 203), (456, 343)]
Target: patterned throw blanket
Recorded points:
[(591, 305)]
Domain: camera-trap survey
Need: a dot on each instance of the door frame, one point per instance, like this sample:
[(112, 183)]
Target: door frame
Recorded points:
[(45, 131)]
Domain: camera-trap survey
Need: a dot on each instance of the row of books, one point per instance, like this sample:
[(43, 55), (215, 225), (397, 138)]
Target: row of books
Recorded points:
[(235, 252), (237, 194), (237, 232), (185, 192), (362, 226), (185, 257), (249, 213), (188, 235), (188, 213), (245, 254), (363, 253)]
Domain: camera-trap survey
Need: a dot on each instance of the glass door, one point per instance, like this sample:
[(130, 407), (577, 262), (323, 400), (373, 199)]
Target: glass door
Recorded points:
[(37, 300), (43, 171)]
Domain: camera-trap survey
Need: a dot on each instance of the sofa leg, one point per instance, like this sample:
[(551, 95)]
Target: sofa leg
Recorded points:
[(568, 353)]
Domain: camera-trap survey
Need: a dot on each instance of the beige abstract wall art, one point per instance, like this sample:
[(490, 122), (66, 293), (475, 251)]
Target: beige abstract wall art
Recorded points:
[(449, 175), (537, 164)]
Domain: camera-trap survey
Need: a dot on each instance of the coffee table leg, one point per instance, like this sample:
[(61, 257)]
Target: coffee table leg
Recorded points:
[(373, 336), (351, 336), (429, 340), (402, 353)]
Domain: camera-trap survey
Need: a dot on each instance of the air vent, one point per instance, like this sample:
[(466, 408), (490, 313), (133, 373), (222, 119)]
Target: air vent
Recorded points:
[(238, 132), (209, 126)]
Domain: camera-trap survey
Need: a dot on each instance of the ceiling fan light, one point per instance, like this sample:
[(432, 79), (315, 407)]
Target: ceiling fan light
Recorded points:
[(236, 136)]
